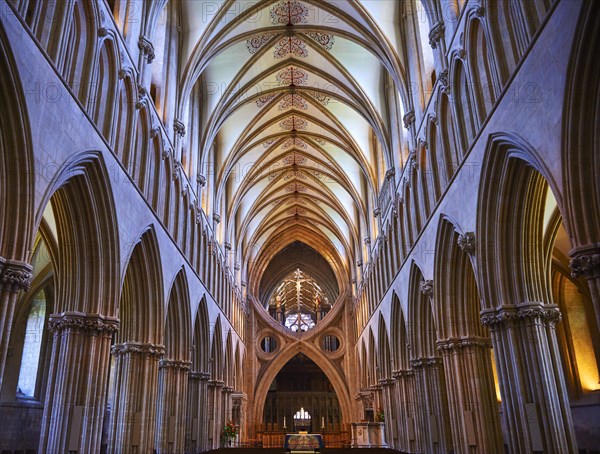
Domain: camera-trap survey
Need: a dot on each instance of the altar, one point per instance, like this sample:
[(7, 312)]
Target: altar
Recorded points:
[(303, 443)]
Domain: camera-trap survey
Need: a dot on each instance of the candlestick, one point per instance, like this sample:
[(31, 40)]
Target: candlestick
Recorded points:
[(322, 422), (284, 426)]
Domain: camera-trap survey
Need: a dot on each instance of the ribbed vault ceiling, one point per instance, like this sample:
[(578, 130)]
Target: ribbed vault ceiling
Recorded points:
[(295, 98)]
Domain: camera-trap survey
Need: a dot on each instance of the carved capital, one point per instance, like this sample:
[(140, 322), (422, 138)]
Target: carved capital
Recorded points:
[(176, 169), (376, 212), (102, 32), (443, 78), (141, 97), (217, 218), (14, 275), (199, 376), (384, 382), (426, 287), (359, 263), (403, 373), (135, 348), (366, 396), (147, 48), (412, 162), (177, 365), (91, 324), (201, 180), (436, 33), (511, 314), (227, 246), (457, 343), (409, 119), (586, 264), (216, 383), (425, 362), (179, 128), (467, 242)]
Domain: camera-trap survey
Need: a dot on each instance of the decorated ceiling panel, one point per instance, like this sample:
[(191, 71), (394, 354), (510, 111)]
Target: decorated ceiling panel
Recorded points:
[(293, 119)]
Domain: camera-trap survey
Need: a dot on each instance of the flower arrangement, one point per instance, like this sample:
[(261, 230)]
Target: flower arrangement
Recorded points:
[(230, 431), (379, 415)]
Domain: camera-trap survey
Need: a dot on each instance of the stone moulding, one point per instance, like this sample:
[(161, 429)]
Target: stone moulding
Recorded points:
[(509, 314), (93, 324), (150, 350), (15, 275), (587, 265), (463, 342), (420, 363), (184, 366)]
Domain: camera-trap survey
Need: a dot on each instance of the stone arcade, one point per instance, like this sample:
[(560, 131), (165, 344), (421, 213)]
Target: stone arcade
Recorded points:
[(299, 215)]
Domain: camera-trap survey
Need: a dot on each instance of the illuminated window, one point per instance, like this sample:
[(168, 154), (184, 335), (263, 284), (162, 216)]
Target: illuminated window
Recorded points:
[(32, 346)]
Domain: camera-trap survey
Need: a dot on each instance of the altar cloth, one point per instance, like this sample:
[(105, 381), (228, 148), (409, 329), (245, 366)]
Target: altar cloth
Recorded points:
[(302, 442)]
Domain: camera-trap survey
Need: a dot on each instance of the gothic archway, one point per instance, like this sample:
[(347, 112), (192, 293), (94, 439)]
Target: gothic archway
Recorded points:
[(338, 383)]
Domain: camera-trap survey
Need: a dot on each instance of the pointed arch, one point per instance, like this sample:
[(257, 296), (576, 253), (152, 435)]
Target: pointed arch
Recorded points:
[(228, 370), (102, 100), (385, 357), (201, 355), (482, 69), (124, 119), (465, 107), (581, 151), (313, 353), (79, 192), (457, 297), (216, 351), (16, 162), (178, 325), (78, 37), (423, 333), (510, 217), (398, 330), (141, 306)]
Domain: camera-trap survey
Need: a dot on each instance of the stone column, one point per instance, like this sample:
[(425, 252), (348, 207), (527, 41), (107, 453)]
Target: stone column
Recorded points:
[(409, 434), (226, 393), (240, 402), (474, 416), (133, 418), (366, 398), (77, 382), (14, 277), (534, 393), (586, 262), (215, 423), (432, 404), (377, 403), (227, 402), (389, 407), (197, 412), (171, 412), (146, 57)]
